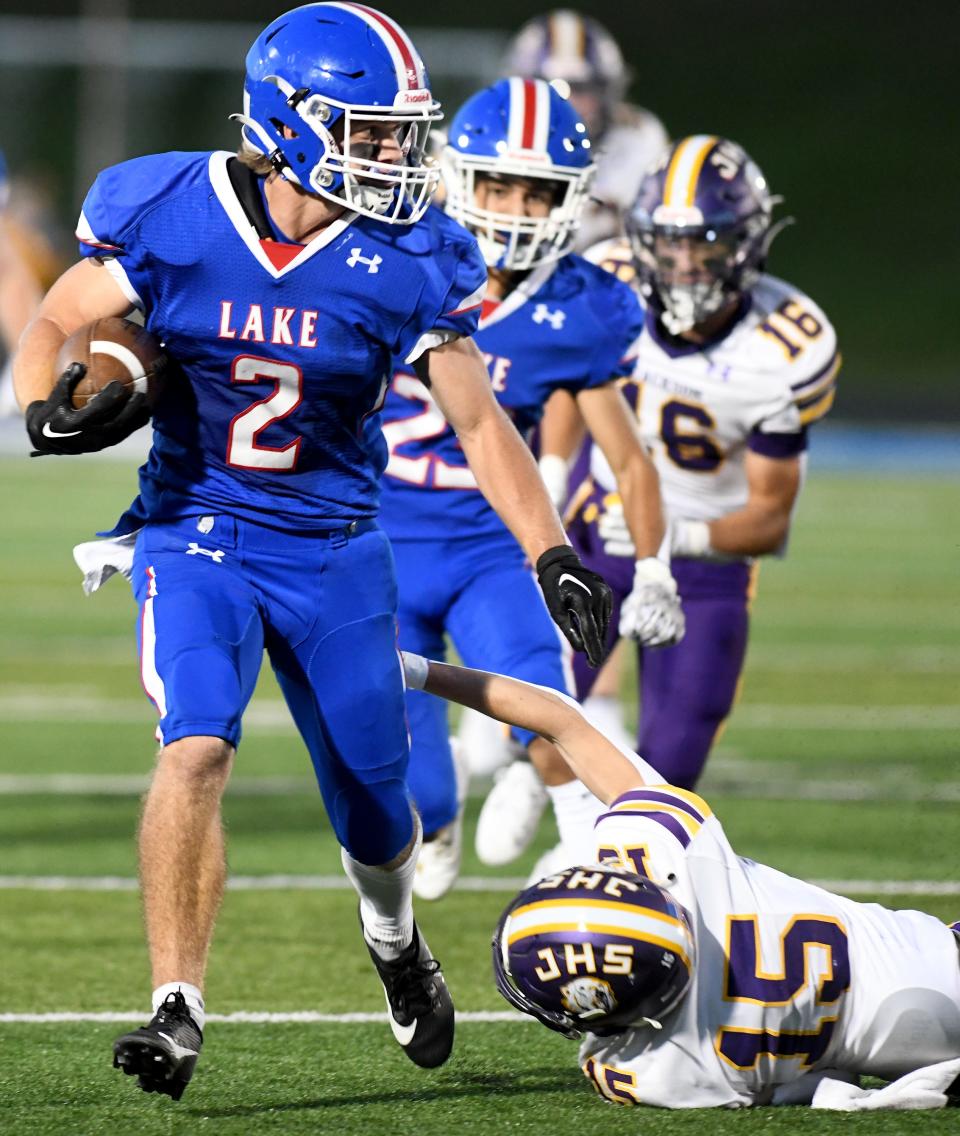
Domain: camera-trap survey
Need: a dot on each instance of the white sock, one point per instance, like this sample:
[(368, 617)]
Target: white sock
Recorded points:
[(386, 899), (576, 810), (191, 993)]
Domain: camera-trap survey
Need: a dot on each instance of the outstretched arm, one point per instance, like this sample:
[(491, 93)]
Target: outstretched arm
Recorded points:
[(597, 762)]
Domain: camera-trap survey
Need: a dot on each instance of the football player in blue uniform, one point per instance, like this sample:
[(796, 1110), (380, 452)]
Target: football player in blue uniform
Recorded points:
[(282, 282), (517, 172)]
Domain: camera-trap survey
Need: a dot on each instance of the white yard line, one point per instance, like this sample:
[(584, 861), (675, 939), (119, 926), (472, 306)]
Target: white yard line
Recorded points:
[(505, 884), (725, 775), (254, 1017), (27, 704)]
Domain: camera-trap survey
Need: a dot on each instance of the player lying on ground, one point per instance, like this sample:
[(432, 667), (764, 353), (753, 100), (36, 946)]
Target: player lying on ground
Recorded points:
[(550, 320), (282, 281), (698, 978)]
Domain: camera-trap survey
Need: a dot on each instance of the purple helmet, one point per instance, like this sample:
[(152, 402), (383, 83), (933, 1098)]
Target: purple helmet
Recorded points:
[(594, 948), (565, 47), (700, 228)]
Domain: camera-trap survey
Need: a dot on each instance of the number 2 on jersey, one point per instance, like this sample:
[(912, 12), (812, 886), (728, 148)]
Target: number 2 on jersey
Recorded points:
[(243, 450)]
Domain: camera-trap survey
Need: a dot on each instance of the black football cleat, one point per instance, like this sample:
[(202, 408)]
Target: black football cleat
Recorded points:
[(418, 1003), (163, 1053)]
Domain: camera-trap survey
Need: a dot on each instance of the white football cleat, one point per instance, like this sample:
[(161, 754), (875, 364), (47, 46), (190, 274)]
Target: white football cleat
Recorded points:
[(486, 744), (511, 813), (439, 862)]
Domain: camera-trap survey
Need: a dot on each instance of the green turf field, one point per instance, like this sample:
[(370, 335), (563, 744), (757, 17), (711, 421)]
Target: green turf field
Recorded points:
[(841, 763)]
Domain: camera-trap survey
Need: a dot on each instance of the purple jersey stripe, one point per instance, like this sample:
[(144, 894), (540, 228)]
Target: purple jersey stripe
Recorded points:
[(663, 797), (671, 824), (777, 445), (798, 387)]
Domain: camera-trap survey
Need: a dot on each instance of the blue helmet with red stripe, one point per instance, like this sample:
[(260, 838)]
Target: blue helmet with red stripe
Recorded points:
[(700, 228), (595, 949), (323, 82), (520, 129)]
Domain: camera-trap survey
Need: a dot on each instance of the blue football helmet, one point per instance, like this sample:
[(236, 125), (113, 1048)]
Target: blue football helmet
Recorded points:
[(595, 949), (576, 53), (518, 128), (4, 182), (701, 228), (325, 71)]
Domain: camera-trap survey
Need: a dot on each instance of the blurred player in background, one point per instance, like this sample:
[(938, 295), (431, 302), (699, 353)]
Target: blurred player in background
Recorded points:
[(733, 368), (698, 978), (19, 293), (282, 281), (517, 170), (579, 56)]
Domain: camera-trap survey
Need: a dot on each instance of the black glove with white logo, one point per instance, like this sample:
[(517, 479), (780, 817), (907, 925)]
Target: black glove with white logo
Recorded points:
[(56, 426), (579, 601)]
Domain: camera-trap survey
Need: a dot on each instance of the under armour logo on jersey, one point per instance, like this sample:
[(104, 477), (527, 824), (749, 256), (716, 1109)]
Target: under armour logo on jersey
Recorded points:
[(194, 549), (542, 314), (372, 262)]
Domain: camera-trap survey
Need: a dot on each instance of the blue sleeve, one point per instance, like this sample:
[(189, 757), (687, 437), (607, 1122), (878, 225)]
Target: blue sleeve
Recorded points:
[(618, 309), (453, 292), (119, 199)]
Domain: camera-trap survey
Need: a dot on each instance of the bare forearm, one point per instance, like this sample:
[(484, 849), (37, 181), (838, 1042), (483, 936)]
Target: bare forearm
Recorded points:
[(592, 758), (508, 477), (33, 368), (639, 488), (751, 531)]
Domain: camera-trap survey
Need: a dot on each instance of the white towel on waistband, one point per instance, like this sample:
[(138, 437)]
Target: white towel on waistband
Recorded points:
[(98, 560)]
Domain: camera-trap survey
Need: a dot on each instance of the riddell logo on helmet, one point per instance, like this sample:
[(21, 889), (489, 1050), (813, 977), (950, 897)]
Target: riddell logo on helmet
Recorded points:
[(418, 96)]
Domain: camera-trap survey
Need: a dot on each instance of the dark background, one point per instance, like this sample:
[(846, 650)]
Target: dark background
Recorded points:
[(851, 109)]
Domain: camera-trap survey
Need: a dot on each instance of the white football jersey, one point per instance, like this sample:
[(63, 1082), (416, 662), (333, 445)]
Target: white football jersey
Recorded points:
[(789, 978), (633, 143), (701, 409)]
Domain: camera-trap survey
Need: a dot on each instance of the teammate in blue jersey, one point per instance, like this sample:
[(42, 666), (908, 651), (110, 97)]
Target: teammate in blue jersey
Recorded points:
[(282, 282), (517, 171)]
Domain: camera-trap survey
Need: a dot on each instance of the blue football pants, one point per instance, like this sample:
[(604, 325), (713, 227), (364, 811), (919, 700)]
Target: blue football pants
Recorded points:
[(483, 594), (215, 591)]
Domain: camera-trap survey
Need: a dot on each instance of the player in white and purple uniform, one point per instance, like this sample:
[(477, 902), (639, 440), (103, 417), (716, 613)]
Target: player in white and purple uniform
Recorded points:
[(517, 172), (282, 282), (579, 55), (732, 369), (697, 978)]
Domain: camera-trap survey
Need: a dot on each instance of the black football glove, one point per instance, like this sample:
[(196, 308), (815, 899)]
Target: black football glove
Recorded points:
[(55, 426), (579, 601)]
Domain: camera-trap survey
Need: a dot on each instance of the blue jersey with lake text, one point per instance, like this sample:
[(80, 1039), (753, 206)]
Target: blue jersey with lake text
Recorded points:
[(568, 325), (281, 351)]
